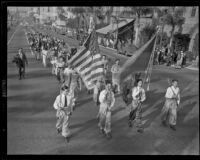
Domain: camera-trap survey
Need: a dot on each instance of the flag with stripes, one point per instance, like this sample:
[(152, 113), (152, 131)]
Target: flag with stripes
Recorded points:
[(87, 61)]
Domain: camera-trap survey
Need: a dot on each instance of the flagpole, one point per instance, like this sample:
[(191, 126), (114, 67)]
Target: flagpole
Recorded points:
[(150, 66)]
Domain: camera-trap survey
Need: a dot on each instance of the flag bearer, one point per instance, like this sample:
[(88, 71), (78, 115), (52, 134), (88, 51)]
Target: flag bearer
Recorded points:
[(107, 101), (63, 105), (138, 95), (171, 104)]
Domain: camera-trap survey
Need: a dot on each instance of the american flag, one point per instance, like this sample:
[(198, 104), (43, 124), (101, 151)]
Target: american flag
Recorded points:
[(87, 61)]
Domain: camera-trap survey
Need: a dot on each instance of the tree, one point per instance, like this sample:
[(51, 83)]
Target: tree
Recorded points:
[(159, 21), (147, 32), (61, 12), (139, 11), (174, 17), (78, 11)]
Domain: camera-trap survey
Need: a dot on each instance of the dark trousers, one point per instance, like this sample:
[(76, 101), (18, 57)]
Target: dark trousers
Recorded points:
[(136, 115), (132, 115), (21, 72)]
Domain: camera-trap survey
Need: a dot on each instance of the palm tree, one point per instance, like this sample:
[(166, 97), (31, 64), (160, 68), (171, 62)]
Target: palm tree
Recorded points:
[(139, 11), (158, 20), (61, 12), (78, 11), (174, 17), (147, 32)]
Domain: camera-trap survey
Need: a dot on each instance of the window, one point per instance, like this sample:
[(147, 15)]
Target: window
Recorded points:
[(193, 11)]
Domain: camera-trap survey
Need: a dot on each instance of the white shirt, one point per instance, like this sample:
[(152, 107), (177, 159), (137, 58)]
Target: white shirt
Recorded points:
[(60, 101), (96, 88), (102, 99), (67, 71), (135, 93), (115, 71), (173, 92)]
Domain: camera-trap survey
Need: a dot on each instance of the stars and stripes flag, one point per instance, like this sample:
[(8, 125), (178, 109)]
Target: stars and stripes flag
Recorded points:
[(87, 61)]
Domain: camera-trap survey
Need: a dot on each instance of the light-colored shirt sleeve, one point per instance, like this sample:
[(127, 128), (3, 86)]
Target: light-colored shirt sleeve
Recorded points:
[(113, 100), (169, 93), (143, 95), (102, 96), (135, 93), (112, 69), (56, 104)]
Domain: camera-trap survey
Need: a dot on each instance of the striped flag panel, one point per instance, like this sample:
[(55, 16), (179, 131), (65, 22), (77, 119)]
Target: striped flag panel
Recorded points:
[(87, 62)]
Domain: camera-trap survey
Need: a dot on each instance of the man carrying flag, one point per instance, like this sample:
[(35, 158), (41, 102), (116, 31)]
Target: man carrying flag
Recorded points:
[(142, 60), (138, 95)]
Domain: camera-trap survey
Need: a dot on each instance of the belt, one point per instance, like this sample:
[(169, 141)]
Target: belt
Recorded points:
[(171, 98)]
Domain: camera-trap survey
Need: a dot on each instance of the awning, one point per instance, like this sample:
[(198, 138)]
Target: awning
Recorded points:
[(113, 27)]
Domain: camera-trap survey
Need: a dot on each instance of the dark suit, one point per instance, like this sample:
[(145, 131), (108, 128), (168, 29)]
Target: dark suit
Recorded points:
[(20, 62)]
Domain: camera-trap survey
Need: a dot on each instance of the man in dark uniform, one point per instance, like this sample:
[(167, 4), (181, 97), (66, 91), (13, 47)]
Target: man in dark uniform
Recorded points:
[(20, 60)]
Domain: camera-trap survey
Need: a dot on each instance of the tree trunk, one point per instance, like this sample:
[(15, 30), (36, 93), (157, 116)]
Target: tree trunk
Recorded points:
[(137, 30), (171, 40), (161, 35)]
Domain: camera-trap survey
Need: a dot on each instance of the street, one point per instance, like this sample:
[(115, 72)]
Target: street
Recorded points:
[(31, 117)]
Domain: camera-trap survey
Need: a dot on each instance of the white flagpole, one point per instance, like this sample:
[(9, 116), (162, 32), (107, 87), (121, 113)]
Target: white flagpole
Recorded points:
[(151, 64)]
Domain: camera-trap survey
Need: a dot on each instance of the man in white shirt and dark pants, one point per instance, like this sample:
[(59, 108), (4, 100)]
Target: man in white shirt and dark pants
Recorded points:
[(63, 105), (138, 95), (169, 111)]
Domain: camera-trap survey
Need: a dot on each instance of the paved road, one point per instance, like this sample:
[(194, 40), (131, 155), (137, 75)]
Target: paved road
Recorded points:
[(31, 117)]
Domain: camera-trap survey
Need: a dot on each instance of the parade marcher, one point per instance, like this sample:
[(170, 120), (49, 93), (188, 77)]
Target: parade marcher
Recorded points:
[(60, 65), (105, 64), (75, 84), (54, 61), (20, 60), (180, 60), (115, 71), (107, 100), (169, 111), (63, 105), (138, 95), (44, 55), (96, 91)]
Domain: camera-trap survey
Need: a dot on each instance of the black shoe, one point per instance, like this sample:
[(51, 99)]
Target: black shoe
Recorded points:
[(67, 139), (164, 123), (140, 130), (130, 124), (108, 135), (58, 131), (102, 131), (173, 127)]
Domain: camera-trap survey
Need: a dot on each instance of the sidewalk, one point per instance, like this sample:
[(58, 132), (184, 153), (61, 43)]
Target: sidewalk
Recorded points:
[(192, 67)]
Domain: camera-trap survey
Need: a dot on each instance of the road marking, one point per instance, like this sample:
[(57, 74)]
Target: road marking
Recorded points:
[(12, 36)]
